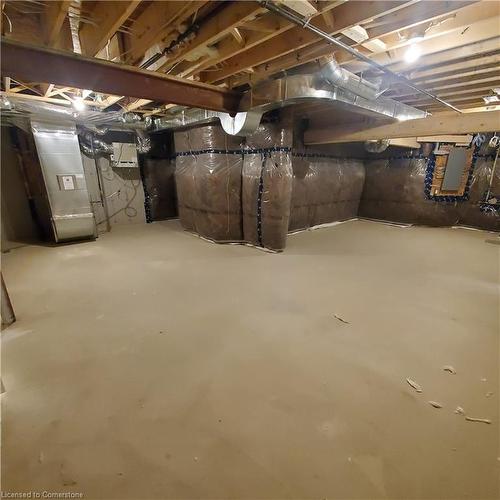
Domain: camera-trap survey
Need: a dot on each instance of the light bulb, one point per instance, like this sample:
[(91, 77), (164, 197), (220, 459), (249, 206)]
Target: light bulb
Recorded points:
[(412, 53), (78, 104)]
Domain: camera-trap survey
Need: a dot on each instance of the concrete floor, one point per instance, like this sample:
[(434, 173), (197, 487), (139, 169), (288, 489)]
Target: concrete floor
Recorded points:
[(153, 364)]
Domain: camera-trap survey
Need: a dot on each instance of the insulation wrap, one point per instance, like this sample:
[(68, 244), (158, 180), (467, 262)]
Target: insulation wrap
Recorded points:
[(325, 189), (394, 190)]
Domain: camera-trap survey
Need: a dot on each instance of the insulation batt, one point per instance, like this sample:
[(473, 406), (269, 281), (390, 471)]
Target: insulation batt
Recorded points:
[(394, 191), (275, 170), (209, 184), (218, 193), (325, 190)]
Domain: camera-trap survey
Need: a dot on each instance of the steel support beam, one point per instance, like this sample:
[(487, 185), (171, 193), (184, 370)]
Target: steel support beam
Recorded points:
[(40, 64)]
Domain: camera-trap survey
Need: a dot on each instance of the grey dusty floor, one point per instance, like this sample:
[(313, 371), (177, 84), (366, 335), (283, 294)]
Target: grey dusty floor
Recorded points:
[(153, 364)]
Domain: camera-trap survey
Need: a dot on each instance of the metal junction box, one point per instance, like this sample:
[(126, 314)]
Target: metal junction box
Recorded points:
[(124, 155)]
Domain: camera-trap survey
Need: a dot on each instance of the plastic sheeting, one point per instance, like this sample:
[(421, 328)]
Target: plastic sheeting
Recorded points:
[(267, 186), (394, 191), (159, 189), (233, 192), (208, 181), (325, 190)]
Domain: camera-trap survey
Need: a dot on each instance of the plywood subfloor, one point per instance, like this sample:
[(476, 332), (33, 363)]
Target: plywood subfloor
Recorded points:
[(153, 364)]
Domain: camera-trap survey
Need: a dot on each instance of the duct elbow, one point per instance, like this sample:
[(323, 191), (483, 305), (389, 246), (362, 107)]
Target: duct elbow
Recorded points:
[(334, 75)]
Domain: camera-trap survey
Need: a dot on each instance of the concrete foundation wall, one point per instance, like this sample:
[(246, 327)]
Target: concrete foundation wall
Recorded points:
[(121, 189)]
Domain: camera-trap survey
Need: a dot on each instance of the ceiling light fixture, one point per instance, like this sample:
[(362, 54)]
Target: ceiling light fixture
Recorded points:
[(78, 104), (413, 52), (490, 99)]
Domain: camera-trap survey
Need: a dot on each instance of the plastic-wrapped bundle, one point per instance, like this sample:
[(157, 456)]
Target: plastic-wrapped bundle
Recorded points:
[(475, 212), (203, 137), (159, 184), (325, 190), (267, 187), (209, 194), (394, 191), (209, 183)]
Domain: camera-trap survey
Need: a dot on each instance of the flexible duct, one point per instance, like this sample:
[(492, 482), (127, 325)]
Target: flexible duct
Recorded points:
[(93, 147), (142, 141), (96, 120)]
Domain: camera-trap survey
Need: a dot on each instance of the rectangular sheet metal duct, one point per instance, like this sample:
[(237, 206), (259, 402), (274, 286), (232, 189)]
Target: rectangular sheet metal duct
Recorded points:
[(40, 64)]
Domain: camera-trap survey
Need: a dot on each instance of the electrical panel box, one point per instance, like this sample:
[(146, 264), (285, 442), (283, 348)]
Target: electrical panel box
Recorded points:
[(124, 155)]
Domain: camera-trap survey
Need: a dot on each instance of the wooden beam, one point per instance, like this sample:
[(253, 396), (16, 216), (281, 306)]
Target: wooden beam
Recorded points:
[(438, 124), (137, 104), (53, 19), (407, 16), (452, 68), (219, 26), (157, 21), (64, 102), (40, 64), (416, 99), (453, 83), (108, 17), (296, 38), (479, 31)]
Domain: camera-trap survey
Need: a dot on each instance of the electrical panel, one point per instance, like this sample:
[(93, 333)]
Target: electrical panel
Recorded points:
[(124, 155)]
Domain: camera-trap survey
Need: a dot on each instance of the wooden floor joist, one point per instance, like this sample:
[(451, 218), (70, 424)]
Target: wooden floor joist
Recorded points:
[(439, 124)]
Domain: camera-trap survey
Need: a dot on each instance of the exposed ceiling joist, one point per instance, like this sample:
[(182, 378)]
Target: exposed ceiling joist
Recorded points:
[(66, 101), (155, 24), (256, 32), (220, 25), (297, 37), (108, 17), (34, 63), (53, 19), (408, 16), (479, 31), (439, 124)]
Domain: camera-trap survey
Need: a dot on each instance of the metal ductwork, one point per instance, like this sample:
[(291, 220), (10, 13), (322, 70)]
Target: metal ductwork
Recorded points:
[(296, 89), (337, 76), (91, 123), (98, 121)]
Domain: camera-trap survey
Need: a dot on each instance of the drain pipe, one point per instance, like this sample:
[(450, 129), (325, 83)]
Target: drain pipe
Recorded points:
[(301, 21)]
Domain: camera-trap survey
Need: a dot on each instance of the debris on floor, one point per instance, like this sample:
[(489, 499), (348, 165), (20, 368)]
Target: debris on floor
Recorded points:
[(459, 410), (413, 384), (489, 394), (435, 404), (450, 369), (341, 319), (482, 420)]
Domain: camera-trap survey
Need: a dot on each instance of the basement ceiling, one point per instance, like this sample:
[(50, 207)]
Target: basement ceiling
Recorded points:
[(237, 44)]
